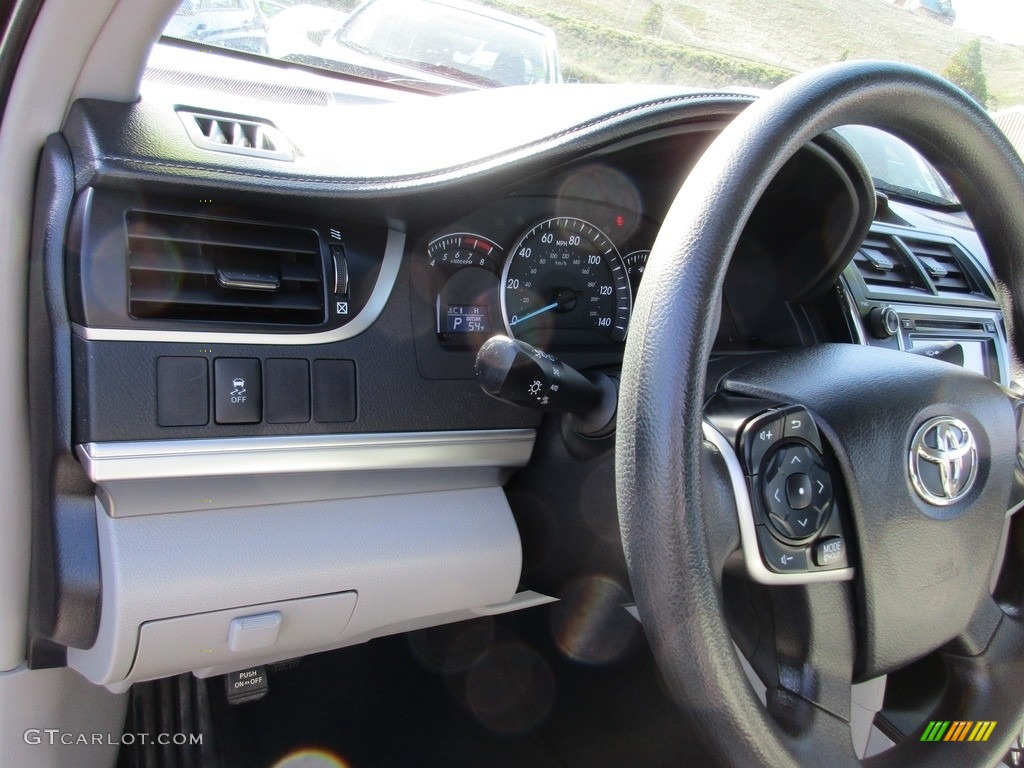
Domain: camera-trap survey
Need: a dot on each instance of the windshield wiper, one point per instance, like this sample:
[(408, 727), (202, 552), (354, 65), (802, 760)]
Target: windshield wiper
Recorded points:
[(917, 196), (380, 75)]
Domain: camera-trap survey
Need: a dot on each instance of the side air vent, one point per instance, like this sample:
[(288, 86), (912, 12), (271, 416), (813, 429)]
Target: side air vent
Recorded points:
[(944, 268), (189, 268), (240, 136), (883, 265)]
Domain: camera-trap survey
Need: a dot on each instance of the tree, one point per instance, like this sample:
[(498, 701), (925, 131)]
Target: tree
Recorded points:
[(966, 70), (653, 21)]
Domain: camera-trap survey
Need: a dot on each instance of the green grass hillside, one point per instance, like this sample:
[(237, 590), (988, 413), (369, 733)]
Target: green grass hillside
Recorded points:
[(739, 41)]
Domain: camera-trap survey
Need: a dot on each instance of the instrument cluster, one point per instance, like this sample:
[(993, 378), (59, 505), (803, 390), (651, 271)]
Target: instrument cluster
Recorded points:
[(553, 272)]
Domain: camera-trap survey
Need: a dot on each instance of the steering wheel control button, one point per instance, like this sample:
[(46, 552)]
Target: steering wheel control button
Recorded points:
[(761, 434), (798, 491), (830, 552), (799, 424), (238, 390), (779, 557), (804, 524), (821, 488)]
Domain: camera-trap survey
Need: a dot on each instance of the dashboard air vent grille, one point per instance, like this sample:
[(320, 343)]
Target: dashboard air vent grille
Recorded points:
[(883, 265), (237, 135), (943, 267), (189, 268)]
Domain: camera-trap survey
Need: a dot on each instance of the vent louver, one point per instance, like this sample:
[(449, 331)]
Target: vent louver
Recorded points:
[(892, 265), (236, 135), (882, 264), (943, 267), (188, 268)]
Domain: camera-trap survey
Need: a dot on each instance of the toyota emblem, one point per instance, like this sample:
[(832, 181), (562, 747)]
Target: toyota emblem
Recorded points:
[(943, 461)]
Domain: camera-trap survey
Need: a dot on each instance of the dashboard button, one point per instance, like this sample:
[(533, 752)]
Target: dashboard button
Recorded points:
[(334, 390), (238, 390), (286, 382), (182, 391)]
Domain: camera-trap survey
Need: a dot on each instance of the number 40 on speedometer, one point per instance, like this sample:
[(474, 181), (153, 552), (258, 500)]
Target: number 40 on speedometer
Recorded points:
[(563, 281)]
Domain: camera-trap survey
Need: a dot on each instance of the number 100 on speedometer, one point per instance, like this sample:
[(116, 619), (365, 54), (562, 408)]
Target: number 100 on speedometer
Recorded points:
[(563, 282)]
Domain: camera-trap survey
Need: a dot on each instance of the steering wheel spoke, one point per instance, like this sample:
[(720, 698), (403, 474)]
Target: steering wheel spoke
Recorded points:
[(800, 641)]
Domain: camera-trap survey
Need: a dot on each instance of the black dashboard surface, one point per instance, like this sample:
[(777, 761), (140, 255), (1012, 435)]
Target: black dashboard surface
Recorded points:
[(603, 161)]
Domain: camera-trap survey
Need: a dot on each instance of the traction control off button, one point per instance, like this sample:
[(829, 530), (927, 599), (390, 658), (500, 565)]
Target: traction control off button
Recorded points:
[(238, 390)]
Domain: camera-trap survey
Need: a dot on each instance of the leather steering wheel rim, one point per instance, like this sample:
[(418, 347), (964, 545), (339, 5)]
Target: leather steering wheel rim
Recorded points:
[(659, 443)]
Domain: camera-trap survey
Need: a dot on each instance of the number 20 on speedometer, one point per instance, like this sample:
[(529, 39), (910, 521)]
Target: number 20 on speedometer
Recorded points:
[(564, 281)]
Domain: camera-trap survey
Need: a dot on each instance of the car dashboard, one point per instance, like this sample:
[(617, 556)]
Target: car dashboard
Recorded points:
[(264, 303)]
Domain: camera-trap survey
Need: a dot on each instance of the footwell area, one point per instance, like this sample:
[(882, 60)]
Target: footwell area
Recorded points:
[(507, 691)]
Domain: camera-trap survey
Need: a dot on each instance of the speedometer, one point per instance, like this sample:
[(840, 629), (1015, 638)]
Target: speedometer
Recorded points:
[(564, 283)]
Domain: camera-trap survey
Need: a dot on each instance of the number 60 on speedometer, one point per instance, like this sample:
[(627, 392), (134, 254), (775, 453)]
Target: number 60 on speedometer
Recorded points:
[(563, 282)]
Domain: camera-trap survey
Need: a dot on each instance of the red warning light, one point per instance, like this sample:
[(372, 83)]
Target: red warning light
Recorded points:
[(620, 221)]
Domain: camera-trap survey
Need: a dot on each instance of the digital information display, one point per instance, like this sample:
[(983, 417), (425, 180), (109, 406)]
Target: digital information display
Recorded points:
[(463, 318)]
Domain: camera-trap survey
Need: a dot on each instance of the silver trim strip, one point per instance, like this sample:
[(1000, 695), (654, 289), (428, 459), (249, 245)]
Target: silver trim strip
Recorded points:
[(368, 316), (160, 459), (748, 534)]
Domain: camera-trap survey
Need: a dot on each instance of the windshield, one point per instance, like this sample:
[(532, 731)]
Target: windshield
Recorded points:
[(978, 44), (448, 39), (897, 168)]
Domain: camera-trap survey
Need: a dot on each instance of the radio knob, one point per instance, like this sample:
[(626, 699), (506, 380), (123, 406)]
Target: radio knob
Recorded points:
[(884, 322)]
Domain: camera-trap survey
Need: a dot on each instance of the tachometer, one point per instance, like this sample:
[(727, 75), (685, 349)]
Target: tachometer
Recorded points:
[(564, 282), (465, 302)]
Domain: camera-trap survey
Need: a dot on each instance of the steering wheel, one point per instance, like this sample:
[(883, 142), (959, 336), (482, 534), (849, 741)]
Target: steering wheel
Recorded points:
[(922, 571)]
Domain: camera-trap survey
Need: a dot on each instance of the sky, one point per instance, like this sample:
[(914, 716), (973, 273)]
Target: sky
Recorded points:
[(1002, 20)]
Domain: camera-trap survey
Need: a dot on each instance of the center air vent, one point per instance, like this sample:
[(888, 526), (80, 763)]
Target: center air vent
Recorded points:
[(917, 267), (883, 265), (189, 268), (941, 264)]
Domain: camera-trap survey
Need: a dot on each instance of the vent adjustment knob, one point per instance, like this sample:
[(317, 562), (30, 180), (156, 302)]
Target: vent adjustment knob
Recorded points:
[(340, 270)]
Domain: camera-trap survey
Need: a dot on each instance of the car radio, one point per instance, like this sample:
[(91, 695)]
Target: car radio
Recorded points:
[(971, 338)]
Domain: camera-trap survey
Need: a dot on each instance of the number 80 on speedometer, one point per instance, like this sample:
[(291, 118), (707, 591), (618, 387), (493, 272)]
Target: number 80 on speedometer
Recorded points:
[(563, 282)]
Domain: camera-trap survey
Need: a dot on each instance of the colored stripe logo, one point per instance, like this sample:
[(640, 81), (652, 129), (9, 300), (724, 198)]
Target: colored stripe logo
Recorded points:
[(958, 730)]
